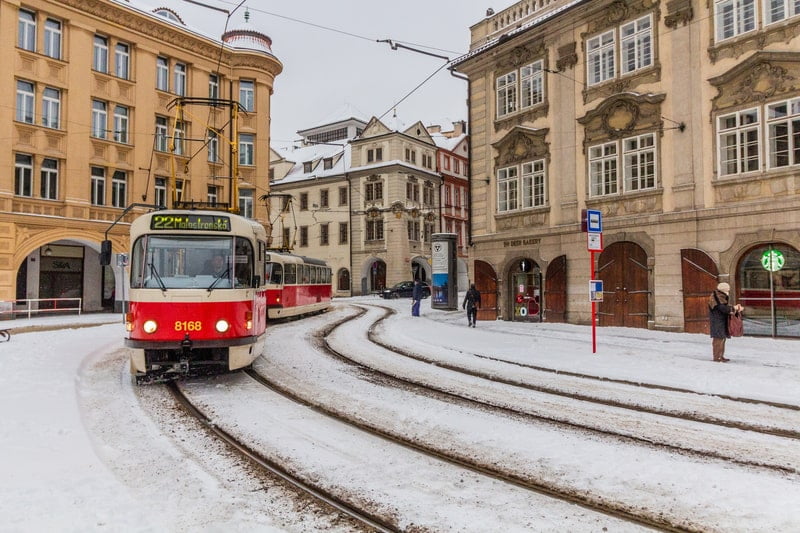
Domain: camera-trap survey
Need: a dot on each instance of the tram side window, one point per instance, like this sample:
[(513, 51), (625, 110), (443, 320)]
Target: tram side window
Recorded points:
[(274, 273), (243, 263), (313, 274), (137, 264), (290, 275)]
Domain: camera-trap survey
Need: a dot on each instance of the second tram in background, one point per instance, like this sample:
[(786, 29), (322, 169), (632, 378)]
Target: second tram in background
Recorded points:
[(296, 285), (200, 288)]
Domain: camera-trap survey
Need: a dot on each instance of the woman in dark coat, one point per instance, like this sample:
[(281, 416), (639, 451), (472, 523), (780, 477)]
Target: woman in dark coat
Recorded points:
[(718, 311), (416, 297)]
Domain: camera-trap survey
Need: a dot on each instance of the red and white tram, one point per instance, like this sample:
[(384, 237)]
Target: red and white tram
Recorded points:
[(198, 301), (296, 285)]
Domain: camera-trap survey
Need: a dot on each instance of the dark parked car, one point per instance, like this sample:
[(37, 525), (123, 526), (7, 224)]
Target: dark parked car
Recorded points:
[(404, 289)]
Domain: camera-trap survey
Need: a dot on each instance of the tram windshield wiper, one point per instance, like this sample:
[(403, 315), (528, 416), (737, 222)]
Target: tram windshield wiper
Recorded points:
[(155, 274), (224, 275)]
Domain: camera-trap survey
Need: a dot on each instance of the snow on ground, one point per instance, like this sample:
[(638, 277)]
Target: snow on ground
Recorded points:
[(72, 423)]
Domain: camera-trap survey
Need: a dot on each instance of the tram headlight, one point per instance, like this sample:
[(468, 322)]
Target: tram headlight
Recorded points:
[(149, 326), (222, 325)]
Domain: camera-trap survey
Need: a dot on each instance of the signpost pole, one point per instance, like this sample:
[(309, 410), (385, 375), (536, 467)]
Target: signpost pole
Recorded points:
[(594, 305)]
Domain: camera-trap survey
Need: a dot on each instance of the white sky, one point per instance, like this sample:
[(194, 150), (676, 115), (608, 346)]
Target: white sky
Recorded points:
[(324, 70), (84, 450)]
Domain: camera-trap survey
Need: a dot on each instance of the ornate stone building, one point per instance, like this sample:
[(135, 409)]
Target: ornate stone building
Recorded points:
[(678, 120), (89, 117)]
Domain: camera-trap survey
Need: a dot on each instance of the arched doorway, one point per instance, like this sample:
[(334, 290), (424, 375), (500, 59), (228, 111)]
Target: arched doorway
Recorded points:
[(486, 283), (768, 286), (343, 280), (555, 290), (525, 290), (623, 268), (419, 270), (377, 276), (699, 277)]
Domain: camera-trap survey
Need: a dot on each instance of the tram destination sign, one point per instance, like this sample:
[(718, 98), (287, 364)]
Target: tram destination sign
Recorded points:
[(193, 222)]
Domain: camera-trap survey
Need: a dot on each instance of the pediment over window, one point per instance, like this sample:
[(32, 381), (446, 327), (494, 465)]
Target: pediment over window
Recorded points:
[(521, 144), (762, 76), (521, 55), (622, 115)]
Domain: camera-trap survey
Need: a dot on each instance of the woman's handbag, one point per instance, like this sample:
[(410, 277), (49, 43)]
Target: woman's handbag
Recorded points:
[(735, 324)]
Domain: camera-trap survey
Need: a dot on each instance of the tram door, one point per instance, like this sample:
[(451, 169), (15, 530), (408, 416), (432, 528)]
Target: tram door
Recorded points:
[(526, 291)]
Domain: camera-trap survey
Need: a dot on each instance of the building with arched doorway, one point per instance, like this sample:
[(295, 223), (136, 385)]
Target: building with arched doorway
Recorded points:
[(94, 139), (679, 127)]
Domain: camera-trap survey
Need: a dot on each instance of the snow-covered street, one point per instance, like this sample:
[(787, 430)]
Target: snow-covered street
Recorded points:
[(85, 450)]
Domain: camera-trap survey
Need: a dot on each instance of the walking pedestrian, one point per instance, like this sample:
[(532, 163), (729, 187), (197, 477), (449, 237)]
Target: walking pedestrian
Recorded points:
[(472, 302), (416, 297), (719, 309)]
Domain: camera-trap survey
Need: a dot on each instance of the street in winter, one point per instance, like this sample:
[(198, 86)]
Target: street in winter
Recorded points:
[(403, 423)]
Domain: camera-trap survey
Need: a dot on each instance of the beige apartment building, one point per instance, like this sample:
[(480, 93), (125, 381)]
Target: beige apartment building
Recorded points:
[(678, 121), (106, 107), (365, 199)]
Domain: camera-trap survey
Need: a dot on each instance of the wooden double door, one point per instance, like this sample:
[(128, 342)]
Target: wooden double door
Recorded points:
[(626, 293)]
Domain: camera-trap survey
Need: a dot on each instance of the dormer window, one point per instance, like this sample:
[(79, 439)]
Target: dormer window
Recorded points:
[(307, 166)]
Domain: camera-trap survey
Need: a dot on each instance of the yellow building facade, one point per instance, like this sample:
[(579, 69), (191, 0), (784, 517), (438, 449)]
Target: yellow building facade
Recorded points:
[(93, 136), (678, 122)]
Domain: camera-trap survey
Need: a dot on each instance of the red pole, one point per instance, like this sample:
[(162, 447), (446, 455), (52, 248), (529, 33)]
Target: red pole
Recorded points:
[(594, 310)]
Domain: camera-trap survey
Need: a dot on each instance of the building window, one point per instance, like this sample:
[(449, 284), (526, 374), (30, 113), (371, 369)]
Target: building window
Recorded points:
[(179, 190), (374, 230), (49, 181), (247, 94), (783, 126), (122, 61), (99, 119), (636, 45), (118, 189), (323, 234), (413, 230), (246, 203), (373, 191), (519, 90), (26, 38), (734, 17), (161, 134), (638, 164), (23, 175), (25, 96), (179, 79), (428, 231), (162, 74), (303, 201), (287, 239), (327, 163), (411, 155), (178, 137), (307, 166), (303, 236), (52, 38), (247, 146), (738, 142), (412, 191), (343, 233), (213, 86), (323, 198), (213, 146), (100, 57), (51, 108), (507, 189), (777, 10), (161, 191), (342, 196), (98, 186), (427, 195), (121, 124), (212, 195), (600, 58), (374, 154)]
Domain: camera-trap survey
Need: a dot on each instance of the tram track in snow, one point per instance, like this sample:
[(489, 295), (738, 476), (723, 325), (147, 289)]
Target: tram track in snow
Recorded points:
[(750, 441)]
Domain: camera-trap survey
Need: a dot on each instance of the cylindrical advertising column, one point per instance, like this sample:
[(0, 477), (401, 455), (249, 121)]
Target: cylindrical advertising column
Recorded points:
[(444, 289)]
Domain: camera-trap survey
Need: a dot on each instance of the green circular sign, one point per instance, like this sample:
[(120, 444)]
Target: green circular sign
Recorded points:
[(772, 260)]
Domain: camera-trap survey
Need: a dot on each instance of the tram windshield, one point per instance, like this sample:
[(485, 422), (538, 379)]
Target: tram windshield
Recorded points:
[(191, 261)]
